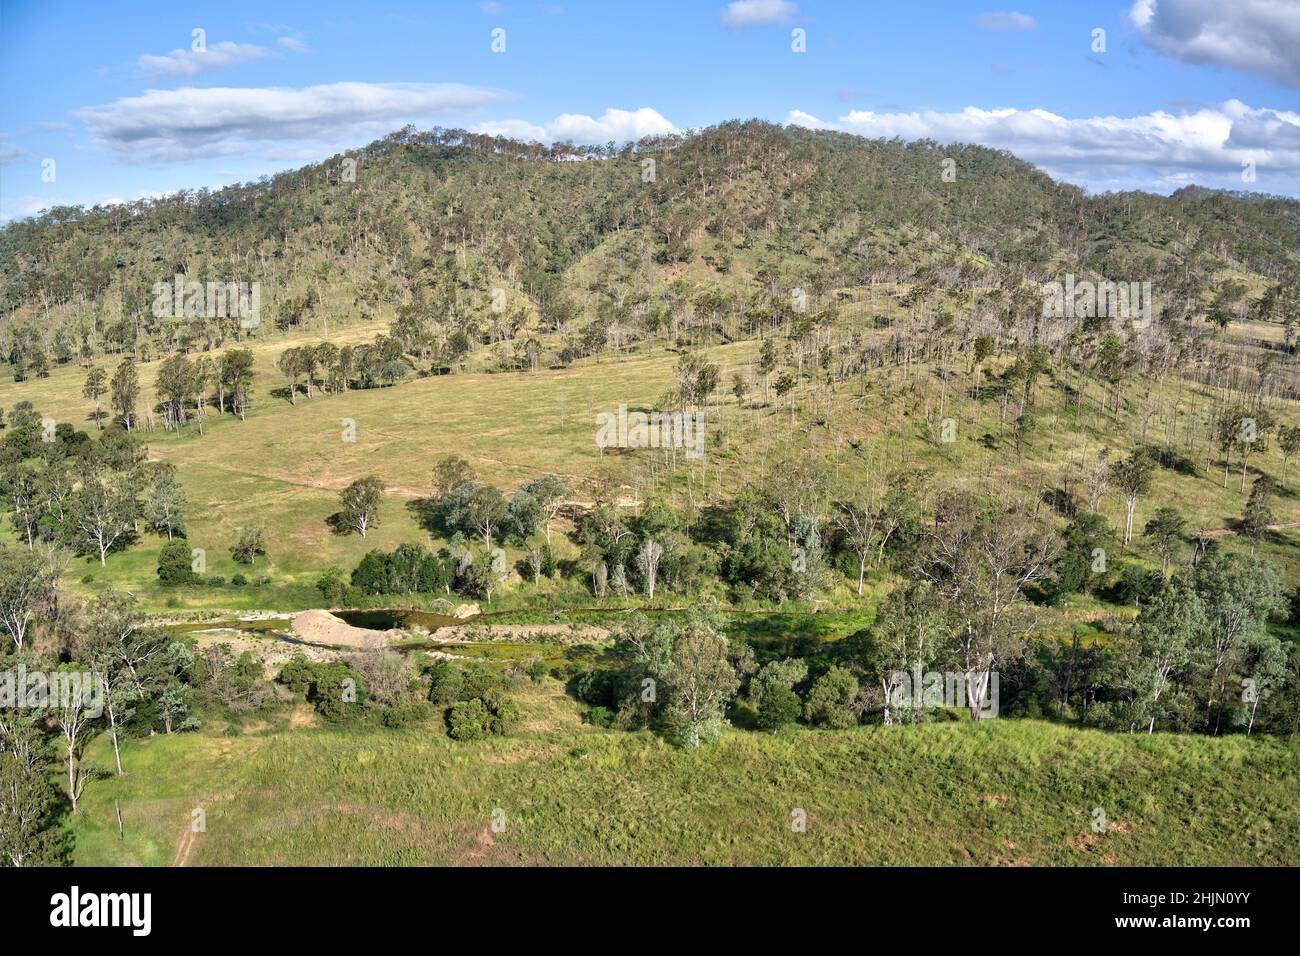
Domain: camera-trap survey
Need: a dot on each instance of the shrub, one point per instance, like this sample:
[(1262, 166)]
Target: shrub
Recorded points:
[(600, 717), (238, 580), (445, 682), (470, 720), (780, 706), (174, 564), (215, 581), (537, 669), (403, 715), (830, 702)]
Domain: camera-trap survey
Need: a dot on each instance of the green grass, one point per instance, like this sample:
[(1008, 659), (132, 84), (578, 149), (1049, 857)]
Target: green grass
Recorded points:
[(996, 793)]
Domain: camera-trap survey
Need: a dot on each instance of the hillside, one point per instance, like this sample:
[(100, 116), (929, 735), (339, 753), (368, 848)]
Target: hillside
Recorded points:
[(612, 282)]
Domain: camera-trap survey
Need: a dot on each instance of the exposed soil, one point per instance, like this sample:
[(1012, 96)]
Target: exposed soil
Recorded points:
[(322, 627)]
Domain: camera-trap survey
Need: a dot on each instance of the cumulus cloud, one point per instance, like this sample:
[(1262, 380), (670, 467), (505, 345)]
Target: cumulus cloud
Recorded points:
[(747, 13), (218, 56), (1253, 36), (617, 125), (1005, 21), (188, 123), (1156, 151)]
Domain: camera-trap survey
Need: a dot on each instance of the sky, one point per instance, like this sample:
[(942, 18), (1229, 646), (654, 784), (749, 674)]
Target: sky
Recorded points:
[(103, 103)]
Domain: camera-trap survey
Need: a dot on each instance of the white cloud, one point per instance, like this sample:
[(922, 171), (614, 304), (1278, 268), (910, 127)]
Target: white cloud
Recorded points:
[(177, 125), (181, 63), (294, 44), (619, 126), (11, 154), (1253, 36), (1005, 21), (746, 13), (1153, 150), (20, 207)]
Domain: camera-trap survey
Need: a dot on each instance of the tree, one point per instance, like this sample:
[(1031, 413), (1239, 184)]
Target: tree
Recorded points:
[(979, 556), (361, 503), (290, 365), (549, 492), (76, 720), (120, 646), (1132, 477), (1264, 667), (860, 522), (1161, 644), (28, 802), (832, 698), (126, 391), (647, 562), (174, 564), (1166, 529), (250, 543), (485, 510), (780, 706), (1257, 516), (164, 506), (175, 385), (235, 378), (909, 635), (96, 385), (27, 583), (698, 680), (449, 472), (1239, 593), (1288, 440), (103, 511)]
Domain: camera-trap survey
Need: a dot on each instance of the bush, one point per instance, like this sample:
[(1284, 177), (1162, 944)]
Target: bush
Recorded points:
[(445, 682), (600, 717), (493, 713), (215, 581), (174, 564), (780, 706), (830, 702), (470, 720), (537, 669), (403, 715), (238, 580), (334, 689)]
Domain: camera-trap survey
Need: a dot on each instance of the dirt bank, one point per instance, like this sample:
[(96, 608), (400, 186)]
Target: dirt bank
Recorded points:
[(322, 627)]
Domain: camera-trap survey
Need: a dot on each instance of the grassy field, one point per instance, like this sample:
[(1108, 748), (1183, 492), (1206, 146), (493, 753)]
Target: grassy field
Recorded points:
[(284, 467), (997, 793)]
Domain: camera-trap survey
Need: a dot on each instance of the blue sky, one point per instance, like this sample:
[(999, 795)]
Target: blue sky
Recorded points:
[(121, 102)]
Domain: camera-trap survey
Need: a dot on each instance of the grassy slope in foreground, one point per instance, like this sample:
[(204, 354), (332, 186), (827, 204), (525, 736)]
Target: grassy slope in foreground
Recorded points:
[(1002, 792)]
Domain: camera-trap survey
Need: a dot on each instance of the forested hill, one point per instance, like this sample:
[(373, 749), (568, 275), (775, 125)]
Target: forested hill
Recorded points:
[(419, 228)]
